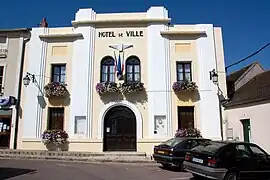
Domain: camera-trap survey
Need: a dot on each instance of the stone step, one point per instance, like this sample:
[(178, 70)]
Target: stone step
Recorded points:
[(128, 157)]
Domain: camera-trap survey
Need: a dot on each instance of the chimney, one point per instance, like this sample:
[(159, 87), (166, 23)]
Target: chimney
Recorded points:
[(43, 23)]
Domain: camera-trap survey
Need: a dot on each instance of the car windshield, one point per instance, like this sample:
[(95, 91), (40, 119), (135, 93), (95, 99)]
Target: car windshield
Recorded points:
[(173, 142), (208, 147)]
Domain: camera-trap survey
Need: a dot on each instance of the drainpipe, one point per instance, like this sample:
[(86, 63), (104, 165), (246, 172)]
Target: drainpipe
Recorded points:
[(219, 100), (18, 103)]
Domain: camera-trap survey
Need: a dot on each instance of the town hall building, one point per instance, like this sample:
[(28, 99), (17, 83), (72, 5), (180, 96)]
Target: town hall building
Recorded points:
[(122, 81)]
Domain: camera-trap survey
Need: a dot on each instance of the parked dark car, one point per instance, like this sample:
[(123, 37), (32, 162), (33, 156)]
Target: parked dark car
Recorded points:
[(172, 152), (228, 160)]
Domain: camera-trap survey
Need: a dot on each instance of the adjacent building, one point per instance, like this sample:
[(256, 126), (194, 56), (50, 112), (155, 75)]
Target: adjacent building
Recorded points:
[(247, 111), (11, 58), (122, 81)]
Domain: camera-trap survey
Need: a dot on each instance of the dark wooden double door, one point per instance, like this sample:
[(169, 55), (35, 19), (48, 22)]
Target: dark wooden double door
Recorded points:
[(120, 130)]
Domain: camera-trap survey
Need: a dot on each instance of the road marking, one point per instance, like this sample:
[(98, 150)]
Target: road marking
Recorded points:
[(64, 165), (182, 178)]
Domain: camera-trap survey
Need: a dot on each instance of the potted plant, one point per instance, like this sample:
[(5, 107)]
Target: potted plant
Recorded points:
[(54, 139), (184, 86), (55, 89), (129, 87), (188, 132), (104, 87)]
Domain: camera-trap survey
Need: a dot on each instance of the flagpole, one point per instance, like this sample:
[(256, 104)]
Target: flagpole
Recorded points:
[(115, 62), (123, 63)]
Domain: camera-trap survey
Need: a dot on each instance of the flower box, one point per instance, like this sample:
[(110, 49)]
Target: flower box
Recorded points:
[(55, 89), (130, 87), (55, 137), (184, 86), (104, 87), (188, 132)]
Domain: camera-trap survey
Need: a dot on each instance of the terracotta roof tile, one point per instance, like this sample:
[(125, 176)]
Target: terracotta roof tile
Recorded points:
[(257, 89)]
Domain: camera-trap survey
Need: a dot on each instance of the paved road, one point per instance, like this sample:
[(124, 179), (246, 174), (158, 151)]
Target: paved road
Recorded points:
[(55, 170)]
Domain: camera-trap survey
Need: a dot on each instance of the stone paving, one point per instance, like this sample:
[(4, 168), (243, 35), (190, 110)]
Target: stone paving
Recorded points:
[(52, 170)]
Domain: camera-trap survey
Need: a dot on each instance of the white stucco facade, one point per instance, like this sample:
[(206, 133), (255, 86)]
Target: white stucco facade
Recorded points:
[(154, 42)]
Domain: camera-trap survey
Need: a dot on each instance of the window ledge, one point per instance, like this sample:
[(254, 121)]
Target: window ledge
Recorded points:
[(121, 21), (182, 33), (60, 36)]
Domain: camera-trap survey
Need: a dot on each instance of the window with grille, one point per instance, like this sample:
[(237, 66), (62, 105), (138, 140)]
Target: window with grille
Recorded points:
[(133, 69), (56, 118), (107, 69)]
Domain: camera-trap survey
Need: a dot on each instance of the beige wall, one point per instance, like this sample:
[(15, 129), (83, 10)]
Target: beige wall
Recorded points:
[(259, 123), (101, 50), (11, 63), (248, 75), (183, 49)]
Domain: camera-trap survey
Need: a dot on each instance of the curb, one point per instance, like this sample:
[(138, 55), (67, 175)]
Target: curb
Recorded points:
[(76, 159)]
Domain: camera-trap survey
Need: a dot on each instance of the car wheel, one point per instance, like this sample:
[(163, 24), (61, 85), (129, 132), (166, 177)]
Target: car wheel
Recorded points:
[(165, 165), (197, 177), (181, 167), (231, 176)]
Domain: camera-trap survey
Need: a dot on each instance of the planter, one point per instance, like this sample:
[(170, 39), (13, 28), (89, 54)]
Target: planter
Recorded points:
[(57, 147), (127, 88), (188, 132), (184, 86), (55, 139), (107, 87), (55, 89)]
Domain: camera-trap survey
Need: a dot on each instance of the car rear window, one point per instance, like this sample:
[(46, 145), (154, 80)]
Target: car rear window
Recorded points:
[(173, 142), (208, 147)]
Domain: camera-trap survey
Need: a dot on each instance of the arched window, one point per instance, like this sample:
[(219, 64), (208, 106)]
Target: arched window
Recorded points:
[(133, 69), (107, 69)]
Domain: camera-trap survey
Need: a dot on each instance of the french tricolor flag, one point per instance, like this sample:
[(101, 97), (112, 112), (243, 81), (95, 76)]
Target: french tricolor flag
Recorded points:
[(119, 67)]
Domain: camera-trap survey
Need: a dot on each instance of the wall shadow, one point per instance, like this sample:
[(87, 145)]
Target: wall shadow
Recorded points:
[(183, 37), (7, 173), (53, 147), (41, 101), (111, 96), (185, 96), (139, 97), (59, 101)]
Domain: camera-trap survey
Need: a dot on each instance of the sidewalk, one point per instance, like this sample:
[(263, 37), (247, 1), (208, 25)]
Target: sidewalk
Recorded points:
[(113, 157)]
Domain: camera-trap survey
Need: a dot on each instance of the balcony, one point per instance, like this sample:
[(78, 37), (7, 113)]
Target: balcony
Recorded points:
[(3, 52)]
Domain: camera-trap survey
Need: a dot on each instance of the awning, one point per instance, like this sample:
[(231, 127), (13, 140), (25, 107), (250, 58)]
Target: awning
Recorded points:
[(5, 112)]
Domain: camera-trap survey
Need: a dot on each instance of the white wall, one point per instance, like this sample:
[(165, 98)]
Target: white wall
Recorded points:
[(209, 103), (259, 122), (159, 87), (33, 103), (82, 72)]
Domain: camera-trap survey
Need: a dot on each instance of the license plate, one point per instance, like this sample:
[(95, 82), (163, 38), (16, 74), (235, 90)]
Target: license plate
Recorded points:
[(197, 160), (161, 152)]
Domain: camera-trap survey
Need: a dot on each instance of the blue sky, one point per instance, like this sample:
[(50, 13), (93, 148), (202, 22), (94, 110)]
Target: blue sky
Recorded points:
[(245, 24)]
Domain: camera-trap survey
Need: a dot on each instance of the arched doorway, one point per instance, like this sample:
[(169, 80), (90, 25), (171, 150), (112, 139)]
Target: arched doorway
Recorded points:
[(120, 130)]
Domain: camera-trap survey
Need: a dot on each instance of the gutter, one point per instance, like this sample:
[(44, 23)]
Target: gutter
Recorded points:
[(19, 94)]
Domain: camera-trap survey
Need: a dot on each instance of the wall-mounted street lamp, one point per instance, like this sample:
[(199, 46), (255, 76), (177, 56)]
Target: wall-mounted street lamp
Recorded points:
[(214, 76), (28, 78)]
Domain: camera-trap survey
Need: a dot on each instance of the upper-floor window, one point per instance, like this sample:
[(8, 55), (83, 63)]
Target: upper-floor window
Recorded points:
[(183, 70), (3, 47), (133, 69), (58, 73), (3, 42), (1, 78), (107, 69)]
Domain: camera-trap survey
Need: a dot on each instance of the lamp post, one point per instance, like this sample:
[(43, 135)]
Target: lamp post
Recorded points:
[(214, 76), (28, 78)]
